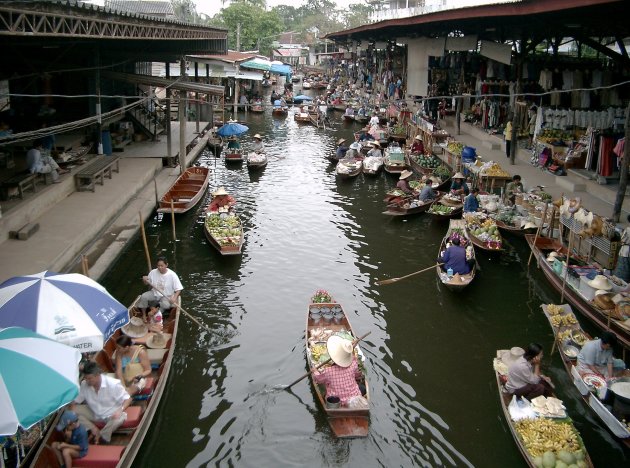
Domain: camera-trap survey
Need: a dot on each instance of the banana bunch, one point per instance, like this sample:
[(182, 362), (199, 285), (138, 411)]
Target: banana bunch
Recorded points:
[(317, 351), (554, 309), (495, 171), (564, 335), (542, 435), (563, 320), (579, 338)]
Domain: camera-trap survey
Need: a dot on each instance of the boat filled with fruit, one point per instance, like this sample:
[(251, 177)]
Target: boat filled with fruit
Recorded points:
[(593, 388), (324, 319), (542, 430), (225, 232), (484, 232), (423, 163), (440, 210)]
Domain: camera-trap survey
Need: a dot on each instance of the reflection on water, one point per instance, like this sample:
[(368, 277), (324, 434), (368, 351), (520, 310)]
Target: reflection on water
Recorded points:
[(434, 401)]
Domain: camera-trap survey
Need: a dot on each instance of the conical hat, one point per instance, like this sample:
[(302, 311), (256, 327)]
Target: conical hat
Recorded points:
[(404, 174), (219, 192), (511, 356), (156, 341), (600, 282), (340, 350), (458, 175), (135, 328)]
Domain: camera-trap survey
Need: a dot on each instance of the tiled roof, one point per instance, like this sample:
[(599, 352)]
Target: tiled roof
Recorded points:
[(150, 8)]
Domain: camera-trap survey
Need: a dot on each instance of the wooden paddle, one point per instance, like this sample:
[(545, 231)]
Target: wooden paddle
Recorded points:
[(191, 317), (354, 343), (393, 280)]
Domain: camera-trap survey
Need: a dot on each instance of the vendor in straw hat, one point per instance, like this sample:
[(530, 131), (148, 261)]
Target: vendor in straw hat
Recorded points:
[(596, 356), (375, 152), (524, 377), (258, 145), (341, 148), (340, 378), (403, 182), (418, 145), (458, 185), (221, 201)]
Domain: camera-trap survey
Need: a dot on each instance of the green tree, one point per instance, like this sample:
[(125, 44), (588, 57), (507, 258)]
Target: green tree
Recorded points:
[(357, 15), (258, 27), (185, 10)]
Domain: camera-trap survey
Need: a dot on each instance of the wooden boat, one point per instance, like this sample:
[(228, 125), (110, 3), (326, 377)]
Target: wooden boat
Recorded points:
[(280, 111), (339, 107), (348, 118), (306, 85), (186, 191), (362, 119), (344, 422), (348, 168), (515, 231), (215, 145), (494, 245), (224, 232), (442, 211), (541, 247), (126, 442), (395, 161), (257, 108), (410, 206), (372, 165), (505, 399), (456, 228), (256, 161), (233, 155)]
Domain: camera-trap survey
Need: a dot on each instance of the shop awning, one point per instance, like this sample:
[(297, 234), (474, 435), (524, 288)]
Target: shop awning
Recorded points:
[(257, 64), (281, 69)]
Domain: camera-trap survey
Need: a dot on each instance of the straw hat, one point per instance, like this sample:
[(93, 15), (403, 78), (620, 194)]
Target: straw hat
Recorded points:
[(135, 328), (257, 136), (404, 174), (376, 143), (458, 175), (418, 137), (529, 225), (341, 140), (511, 356), (599, 292), (156, 341), (219, 192), (340, 350), (600, 282)]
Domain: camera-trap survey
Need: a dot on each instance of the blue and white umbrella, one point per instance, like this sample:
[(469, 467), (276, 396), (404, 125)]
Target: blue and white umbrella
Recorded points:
[(232, 129), (70, 308), (37, 377)]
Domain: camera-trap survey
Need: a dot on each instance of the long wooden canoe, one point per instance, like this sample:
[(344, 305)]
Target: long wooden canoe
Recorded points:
[(348, 169), (405, 208), (187, 190), (394, 162), (514, 230), (568, 332), (257, 109), (505, 399), (456, 282), (126, 442), (455, 212), (344, 422), (233, 155), (280, 111), (224, 231), (256, 161), (541, 247)]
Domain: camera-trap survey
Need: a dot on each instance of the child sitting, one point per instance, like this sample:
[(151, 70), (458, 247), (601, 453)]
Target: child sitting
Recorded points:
[(75, 444), (154, 319)]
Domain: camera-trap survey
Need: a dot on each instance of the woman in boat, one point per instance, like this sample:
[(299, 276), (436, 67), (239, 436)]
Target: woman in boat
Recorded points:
[(258, 145), (524, 377), (597, 356), (349, 111), (221, 201), (233, 143), (375, 152), (458, 185), (341, 149), (341, 378), (132, 365), (418, 145), (471, 202), (403, 183), (454, 258)]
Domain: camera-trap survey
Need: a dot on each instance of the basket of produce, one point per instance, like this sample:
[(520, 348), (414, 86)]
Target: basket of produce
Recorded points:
[(548, 441), (455, 147)]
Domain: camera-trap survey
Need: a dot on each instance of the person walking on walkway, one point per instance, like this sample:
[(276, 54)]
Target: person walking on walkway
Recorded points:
[(508, 137)]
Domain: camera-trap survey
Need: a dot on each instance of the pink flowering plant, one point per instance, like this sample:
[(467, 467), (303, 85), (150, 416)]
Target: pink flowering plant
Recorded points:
[(321, 296)]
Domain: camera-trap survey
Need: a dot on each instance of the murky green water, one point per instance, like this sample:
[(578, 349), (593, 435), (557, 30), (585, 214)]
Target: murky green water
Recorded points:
[(434, 397)]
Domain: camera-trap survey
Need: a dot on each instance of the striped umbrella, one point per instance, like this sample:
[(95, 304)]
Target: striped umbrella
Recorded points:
[(70, 308), (37, 377)]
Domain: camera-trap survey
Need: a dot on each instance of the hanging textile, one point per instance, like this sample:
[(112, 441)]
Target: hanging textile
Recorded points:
[(606, 164)]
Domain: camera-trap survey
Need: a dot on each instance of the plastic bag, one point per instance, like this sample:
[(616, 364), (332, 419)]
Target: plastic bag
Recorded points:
[(358, 402)]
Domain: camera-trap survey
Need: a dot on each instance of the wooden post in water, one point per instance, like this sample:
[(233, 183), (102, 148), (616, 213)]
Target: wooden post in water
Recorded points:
[(542, 222), (157, 202), (173, 220), (144, 241), (566, 272)]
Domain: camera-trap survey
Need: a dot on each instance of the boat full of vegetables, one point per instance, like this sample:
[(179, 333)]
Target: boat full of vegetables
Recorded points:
[(225, 232)]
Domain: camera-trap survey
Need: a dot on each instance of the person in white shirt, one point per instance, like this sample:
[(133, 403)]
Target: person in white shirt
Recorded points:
[(106, 401), (42, 164), (165, 287)]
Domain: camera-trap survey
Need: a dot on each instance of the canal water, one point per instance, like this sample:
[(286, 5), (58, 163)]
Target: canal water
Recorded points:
[(429, 354)]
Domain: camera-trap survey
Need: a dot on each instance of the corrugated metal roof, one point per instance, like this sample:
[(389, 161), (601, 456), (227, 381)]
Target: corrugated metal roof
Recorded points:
[(150, 8)]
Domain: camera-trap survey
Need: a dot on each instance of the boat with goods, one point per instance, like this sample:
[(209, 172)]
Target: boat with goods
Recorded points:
[(407, 205), (395, 161), (322, 321), (224, 231), (457, 282), (348, 168), (569, 339), (542, 430), (233, 155), (186, 191), (256, 160), (127, 440), (483, 232)]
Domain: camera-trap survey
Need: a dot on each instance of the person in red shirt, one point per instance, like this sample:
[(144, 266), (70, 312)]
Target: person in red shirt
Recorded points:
[(418, 145), (340, 378), (221, 201)]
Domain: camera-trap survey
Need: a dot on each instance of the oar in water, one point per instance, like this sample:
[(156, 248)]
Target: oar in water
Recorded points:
[(393, 280), (354, 343), (191, 317)]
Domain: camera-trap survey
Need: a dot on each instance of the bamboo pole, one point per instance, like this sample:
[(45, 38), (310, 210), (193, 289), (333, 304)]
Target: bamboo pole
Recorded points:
[(84, 266), (173, 219), (144, 241), (542, 222), (157, 202), (566, 272)]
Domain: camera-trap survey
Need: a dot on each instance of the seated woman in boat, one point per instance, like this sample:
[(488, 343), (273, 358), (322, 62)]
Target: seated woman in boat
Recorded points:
[(132, 365), (375, 152), (258, 145), (455, 258), (418, 145), (341, 149), (341, 378), (349, 111), (427, 193), (471, 202), (524, 377), (458, 185), (403, 183), (221, 201), (354, 152), (597, 356), (233, 143)]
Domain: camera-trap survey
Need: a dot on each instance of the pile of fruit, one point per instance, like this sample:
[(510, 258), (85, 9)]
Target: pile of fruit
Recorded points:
[(455, 147), (550, 134), (398, 130), (550, 442), (563, 320), (430, 162), (319, 351), (227, 230), (457, 233), (554, 309), (494, 170), (484, 230), (438, 208)]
